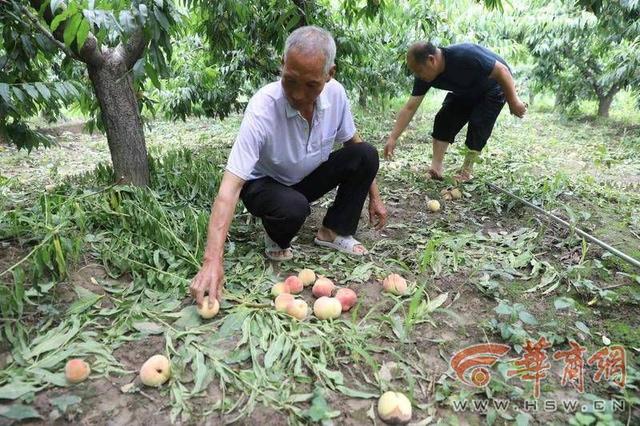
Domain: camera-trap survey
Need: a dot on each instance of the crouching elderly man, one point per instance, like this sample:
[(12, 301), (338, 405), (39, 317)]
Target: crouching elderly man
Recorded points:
[(283, 160)]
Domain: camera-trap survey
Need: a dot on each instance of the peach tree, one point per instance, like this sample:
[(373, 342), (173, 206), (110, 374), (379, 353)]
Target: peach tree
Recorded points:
[(582, 55), (53, 50)]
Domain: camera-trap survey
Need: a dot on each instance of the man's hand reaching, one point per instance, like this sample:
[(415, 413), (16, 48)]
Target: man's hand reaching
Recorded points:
[(518, 108), (209, 280), (377, 213)]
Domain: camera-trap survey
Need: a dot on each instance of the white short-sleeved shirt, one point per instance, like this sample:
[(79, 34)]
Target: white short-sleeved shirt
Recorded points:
[(274, 139)]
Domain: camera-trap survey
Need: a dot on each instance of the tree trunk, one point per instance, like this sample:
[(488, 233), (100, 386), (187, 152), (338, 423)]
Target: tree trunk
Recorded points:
[(112, 83), (362, 98), (604, 103), (113, 86), (557, 104)]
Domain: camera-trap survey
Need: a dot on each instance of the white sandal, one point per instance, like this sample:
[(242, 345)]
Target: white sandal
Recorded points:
[(271, 248), (343, 244)]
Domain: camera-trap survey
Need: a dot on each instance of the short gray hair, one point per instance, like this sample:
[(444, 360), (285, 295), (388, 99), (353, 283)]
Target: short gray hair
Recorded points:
[(310, 40)]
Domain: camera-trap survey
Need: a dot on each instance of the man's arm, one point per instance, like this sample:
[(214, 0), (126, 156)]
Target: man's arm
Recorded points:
[(211, 274), (404, 117), (502, 75)]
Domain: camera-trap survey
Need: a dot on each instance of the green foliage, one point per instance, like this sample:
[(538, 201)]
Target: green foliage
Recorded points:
[(578, 55), (32, 80), (246, 41), (155, 236), (41, 56)]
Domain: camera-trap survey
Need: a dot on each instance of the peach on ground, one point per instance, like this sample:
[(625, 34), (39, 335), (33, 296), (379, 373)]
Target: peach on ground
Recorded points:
[(282, 301), (347, 298), (208, 309), (155, 371), (323, 287), (293, 284), (307, 276), (76, 370), (279, 288), (394, 408), (298, 309), (327, 308), (395, 284), (433, 205)]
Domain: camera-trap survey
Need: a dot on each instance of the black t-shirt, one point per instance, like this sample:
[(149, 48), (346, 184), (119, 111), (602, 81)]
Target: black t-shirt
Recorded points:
[(466, 72)]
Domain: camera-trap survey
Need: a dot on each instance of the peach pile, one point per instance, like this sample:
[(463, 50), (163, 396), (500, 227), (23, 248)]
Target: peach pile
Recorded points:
[(326, 307)]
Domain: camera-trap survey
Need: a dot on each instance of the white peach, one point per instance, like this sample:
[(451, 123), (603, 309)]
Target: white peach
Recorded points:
[(433, 205), (394, 408), (155, 371), (293, 284), (298, 309), (282, 301), (307, 276), (279, 288), (327, 308), (208, 309)]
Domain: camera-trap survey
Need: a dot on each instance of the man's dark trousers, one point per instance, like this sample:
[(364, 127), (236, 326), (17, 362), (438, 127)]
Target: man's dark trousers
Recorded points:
[(283, 209)]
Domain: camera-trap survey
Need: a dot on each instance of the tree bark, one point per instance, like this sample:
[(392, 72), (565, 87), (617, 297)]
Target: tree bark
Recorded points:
[(557, 104), (604, 102), (362, 98), (113, 86)]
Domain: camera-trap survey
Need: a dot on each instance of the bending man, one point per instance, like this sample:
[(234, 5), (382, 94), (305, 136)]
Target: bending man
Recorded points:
[(479, 82), (283, 160)]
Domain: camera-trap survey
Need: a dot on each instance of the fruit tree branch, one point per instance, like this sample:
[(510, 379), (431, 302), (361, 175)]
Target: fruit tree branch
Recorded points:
[(134, 48), (88, 53), (35, 22)]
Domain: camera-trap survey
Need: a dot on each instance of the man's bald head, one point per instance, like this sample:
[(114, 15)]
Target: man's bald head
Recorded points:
[(424, 60), (419, 52)]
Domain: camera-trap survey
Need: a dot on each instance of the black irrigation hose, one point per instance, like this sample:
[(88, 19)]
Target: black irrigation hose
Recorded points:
[(578, 231)]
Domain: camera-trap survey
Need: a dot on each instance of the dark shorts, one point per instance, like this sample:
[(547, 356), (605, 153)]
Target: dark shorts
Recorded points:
[(481, 114)]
